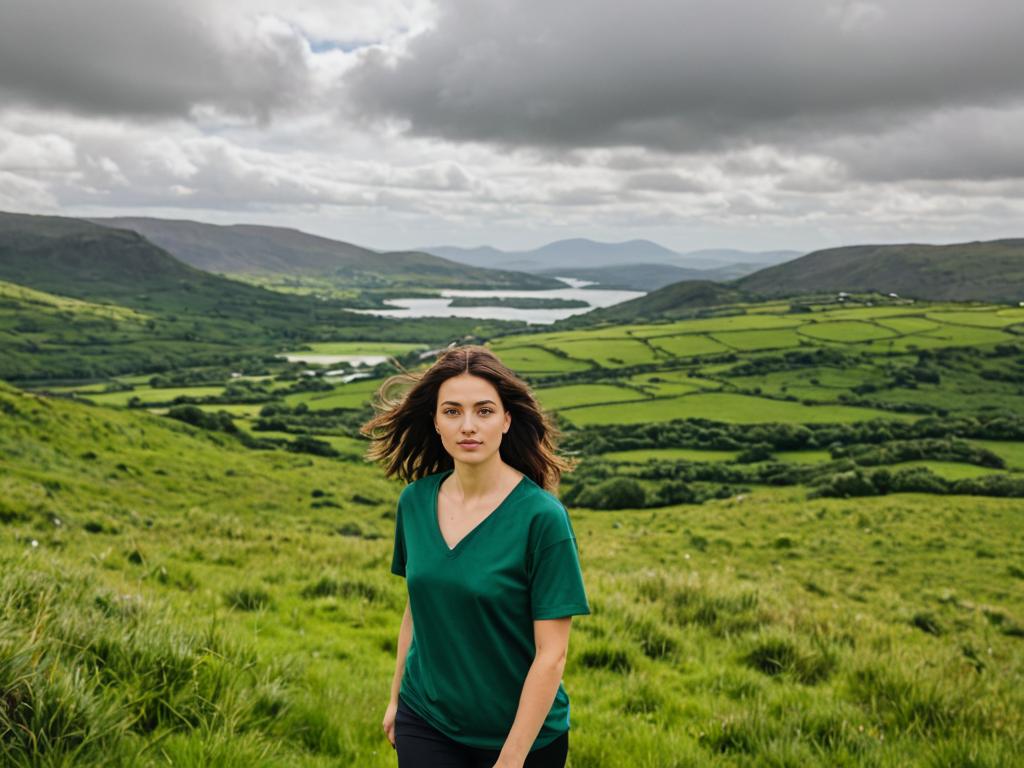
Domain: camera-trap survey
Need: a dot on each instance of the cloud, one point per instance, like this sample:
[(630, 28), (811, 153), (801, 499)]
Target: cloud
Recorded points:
[(690, 75), (661, 181), (978, 143), (733, 123), (150, 59)]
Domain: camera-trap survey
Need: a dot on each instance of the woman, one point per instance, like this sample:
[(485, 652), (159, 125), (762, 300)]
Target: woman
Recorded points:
[(491, 567)]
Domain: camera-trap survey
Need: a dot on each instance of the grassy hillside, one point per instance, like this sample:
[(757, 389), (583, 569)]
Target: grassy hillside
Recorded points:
[(978, 271), (260, 250), (170, 597), (988, 271), (682, 299), (162, 313)]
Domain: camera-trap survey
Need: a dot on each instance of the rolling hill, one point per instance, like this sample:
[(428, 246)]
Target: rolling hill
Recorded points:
[(182, 315), (977, 271), (674, 301), (258, 250), (981, 271)]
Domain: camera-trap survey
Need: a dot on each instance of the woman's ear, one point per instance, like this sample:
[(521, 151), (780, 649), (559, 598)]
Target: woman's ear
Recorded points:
[(508, 423)]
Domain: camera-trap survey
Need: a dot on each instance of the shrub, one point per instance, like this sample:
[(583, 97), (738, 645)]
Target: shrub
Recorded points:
[(616, 493)]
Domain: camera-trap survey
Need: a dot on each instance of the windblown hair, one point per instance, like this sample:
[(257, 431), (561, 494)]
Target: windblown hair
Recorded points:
[(403, 436)]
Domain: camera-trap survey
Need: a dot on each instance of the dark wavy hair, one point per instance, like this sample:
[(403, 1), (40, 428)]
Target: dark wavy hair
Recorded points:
[(402, 431)]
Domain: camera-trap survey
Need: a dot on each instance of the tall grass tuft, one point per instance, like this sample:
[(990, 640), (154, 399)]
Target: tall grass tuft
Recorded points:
[(92, 677)]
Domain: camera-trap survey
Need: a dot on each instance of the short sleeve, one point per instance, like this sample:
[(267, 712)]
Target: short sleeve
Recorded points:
[(398, 555), (556, 579)]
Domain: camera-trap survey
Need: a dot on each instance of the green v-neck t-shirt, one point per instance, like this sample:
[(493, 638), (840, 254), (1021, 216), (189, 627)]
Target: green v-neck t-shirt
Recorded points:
[(473, 608)]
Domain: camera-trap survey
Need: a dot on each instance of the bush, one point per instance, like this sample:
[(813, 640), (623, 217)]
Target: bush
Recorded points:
[(616, 493)]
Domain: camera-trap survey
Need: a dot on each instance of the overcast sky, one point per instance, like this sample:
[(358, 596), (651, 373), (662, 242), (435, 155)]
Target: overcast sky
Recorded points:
[(401, 123)]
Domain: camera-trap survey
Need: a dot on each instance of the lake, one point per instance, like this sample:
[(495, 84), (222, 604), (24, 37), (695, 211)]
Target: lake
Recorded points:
[(438, 307)]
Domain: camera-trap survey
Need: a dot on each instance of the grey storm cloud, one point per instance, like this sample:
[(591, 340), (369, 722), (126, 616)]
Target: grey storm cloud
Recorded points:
[(144, 58), (692, 75)]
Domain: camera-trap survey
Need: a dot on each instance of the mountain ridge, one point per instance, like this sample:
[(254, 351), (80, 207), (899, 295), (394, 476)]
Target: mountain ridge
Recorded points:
[(257, 249)]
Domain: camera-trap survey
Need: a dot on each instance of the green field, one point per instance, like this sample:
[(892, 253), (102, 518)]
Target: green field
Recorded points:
[(233, 607), (845, 331), (556, 398), (718, 407)]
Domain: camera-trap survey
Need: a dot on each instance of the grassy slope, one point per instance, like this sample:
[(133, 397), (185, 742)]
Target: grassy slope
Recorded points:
[(671, 302), (982, 271), (246, 248), (986, 271), (749, 631), (188, 313)]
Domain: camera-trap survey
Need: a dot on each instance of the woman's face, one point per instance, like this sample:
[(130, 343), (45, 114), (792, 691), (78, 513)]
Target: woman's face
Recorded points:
[(470, 418)]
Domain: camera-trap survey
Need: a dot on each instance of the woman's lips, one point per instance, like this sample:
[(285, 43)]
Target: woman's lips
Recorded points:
[(471, 444)]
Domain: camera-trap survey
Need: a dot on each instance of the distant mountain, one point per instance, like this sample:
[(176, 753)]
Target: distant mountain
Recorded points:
[(981, 271), (733, 256), (484, 256), (580, 253), (259, 250), (648, 277)]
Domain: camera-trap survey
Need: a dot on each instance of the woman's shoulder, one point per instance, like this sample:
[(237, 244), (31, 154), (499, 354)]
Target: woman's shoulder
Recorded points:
[(543, 505), (419, 488)]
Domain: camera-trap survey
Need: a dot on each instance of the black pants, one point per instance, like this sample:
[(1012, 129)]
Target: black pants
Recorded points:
[(420, 745)]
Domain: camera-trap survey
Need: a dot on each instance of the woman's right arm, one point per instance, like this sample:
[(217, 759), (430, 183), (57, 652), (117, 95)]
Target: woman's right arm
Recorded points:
[(404, 640)]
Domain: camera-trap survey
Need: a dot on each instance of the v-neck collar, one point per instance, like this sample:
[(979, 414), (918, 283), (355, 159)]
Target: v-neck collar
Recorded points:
[(436, 491)]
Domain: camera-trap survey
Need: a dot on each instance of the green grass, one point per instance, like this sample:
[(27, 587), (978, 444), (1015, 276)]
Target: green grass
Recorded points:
[(1012, 453), (234, 608), (352, 395), (560, 397), (641, 455), (951, 470), (153, 395), (750, 341), (690, 345), (845, 331), (731, 408), (983, 318), (530, 359), (607, 353), (804, 457), (196, 603)]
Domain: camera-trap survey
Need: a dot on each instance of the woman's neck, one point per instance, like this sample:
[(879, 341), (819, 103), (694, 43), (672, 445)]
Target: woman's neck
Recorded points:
[(477, 481)]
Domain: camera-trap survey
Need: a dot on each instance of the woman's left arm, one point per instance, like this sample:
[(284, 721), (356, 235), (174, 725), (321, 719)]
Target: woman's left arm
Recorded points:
[(551, 637)]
